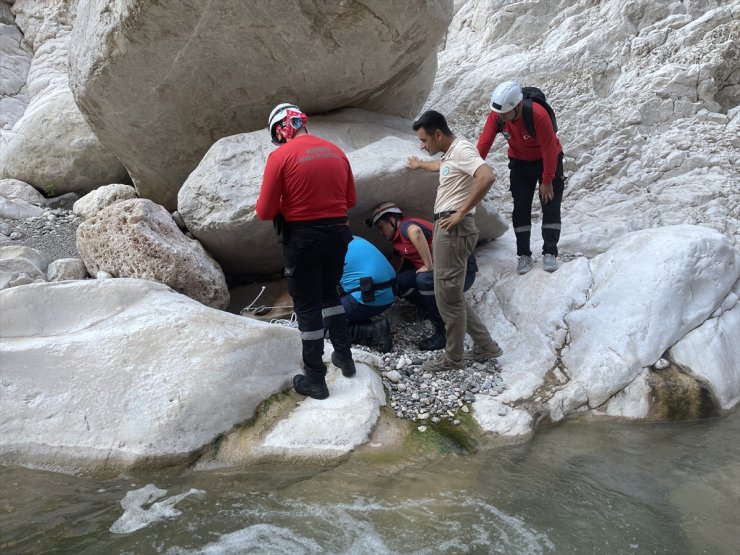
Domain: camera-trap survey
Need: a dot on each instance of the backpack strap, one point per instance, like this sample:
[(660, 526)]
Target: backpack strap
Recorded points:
[(500, 123), (528, 116)]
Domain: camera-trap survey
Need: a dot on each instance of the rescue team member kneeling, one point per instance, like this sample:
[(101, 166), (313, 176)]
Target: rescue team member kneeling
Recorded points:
[(367, 289), (307, 190), (412, 242)]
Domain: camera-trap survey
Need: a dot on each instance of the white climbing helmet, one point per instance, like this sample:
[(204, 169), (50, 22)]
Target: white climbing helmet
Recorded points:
[(506, 96), (381, 210), (279, 115)]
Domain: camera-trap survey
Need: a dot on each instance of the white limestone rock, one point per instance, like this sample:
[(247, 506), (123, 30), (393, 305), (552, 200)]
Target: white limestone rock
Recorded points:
[(39, 259), (137, 238), (526, 314), (218, 198), (331, 427), (13, 189), (495, 417), (136, 373), (53, 149), (18, 209), (649, 290), (19, 271), (181, 77), (16, 60), (65, 269), (633, 401), (21, 265), (93, 202), (52, 146), (711, 352)]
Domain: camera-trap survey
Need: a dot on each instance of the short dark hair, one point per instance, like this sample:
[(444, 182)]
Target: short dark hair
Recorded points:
[(430, 121)]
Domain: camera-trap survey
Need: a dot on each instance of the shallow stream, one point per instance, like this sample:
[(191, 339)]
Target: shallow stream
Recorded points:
[(582, 487)]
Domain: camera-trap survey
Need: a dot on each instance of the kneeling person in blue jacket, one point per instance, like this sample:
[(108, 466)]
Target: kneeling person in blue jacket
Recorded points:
[(368, 284)]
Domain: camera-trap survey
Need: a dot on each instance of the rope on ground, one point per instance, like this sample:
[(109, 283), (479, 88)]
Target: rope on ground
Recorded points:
[(292, 323)]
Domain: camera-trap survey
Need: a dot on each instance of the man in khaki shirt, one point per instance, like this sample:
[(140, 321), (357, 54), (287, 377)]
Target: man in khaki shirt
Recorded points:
[(464, 179)]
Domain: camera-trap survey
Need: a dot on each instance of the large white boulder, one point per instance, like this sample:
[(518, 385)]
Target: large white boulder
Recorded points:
[(217, 200), (711, 352), (587, 337), (126, 371), (53, 149), (649, 291), (51, 146), (160, 82), (137, 238)]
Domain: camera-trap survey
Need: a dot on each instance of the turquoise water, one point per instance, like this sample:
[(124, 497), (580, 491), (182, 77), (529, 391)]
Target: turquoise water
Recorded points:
[(582, 487)]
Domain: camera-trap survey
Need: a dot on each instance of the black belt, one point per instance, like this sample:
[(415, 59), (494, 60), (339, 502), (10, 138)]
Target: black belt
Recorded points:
[(447, 214), (324, 222), (376, 286)]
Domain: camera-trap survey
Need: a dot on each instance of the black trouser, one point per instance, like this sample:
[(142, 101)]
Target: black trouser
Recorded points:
[(314, 261), (524, 176), (418, 288)]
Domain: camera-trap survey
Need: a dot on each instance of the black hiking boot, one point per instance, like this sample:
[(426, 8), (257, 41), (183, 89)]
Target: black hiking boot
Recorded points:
[(345, 364), (376, 333), (436, 341), (309, 387)]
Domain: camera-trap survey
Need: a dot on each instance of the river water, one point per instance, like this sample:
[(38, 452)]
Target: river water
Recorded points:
[(582, 487)]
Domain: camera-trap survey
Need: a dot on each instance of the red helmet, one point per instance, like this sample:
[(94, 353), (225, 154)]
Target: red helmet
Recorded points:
[(289, 118)]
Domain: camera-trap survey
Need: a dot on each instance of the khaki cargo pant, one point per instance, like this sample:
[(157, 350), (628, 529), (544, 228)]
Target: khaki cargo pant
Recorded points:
[(451, 251)]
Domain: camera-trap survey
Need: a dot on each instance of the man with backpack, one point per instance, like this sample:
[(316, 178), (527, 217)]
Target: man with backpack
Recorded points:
[(528, 124)]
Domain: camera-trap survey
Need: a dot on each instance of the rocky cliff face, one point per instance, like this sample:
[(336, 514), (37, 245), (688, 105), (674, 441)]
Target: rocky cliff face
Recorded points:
[(646, 94)]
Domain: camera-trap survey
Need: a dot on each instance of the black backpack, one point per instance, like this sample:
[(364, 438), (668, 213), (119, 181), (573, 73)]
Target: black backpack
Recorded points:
[(533, 94)]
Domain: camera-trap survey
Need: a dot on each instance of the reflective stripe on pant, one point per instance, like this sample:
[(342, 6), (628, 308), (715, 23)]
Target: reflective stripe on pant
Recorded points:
[(451, 252), (524, 176), (314, 261)]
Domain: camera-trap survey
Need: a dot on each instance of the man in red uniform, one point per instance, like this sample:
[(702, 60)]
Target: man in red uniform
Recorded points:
[(307, 189), (533, 158)]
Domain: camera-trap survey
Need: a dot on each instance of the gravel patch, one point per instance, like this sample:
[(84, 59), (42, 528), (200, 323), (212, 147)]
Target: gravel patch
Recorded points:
[(54, 232), (417, 395)]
